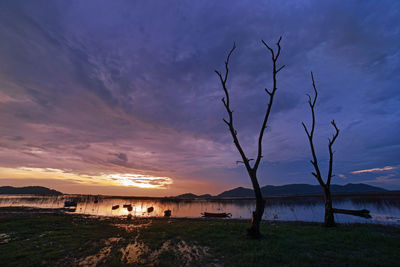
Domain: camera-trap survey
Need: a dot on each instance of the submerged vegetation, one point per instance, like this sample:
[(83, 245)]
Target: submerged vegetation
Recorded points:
[(58, 239)]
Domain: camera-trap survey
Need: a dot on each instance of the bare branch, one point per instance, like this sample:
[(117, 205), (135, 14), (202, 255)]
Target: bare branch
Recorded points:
[(226, 101), (239, 161), (279, 48), (310, 135), (270, 49), (223, 101), (331, 152), (271, 99), (309, 100), (280, 68), (305, 129), (315, 89), (227, 62)]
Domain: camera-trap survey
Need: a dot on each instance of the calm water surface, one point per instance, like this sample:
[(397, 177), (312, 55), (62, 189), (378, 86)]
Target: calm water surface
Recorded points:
[(384, 209)]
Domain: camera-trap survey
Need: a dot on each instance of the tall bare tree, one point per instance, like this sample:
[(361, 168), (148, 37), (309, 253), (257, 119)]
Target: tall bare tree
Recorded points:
[(329, 219), (254, 230)]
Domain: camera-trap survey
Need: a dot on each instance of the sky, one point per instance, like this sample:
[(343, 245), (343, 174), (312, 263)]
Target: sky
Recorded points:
[(121, 98)]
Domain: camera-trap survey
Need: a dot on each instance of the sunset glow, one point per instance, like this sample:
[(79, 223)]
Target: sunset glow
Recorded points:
[(140, 181), (126, 179)]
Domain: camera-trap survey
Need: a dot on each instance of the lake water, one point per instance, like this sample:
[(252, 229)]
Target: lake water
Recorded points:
[(384, 209)]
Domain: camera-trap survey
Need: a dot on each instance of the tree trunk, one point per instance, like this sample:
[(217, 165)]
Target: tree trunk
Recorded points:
[(254, 230), (329, 220)]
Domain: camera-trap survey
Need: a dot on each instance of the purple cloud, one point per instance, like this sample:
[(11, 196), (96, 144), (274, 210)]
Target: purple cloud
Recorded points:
[(129, 87)]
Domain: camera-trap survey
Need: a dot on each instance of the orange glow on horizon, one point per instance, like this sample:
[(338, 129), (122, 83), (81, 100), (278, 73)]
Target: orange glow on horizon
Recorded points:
[(140, 181), (116, 179)]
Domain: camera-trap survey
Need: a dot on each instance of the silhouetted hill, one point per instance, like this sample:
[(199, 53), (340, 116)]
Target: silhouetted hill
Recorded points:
[(193, 196), (237, 192), (301, 189), (28, 190)]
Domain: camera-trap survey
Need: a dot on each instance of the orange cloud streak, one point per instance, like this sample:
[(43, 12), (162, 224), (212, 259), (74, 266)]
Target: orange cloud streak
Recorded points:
[(387, 168)]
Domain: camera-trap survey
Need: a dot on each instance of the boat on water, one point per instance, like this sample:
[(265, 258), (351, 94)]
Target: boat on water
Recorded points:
[(216, 215), (69, 203), (167, 213), (115, 207), (128, 207)]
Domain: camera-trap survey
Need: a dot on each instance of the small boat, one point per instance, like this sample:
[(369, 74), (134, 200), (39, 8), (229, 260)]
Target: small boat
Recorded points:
[(128, 206), (150, 209), (69, 203), (216, 215), (115, 207), (167, 213)]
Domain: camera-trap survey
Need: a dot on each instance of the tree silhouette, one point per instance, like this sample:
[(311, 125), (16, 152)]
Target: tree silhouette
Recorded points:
[(329, 219), (254, 230)]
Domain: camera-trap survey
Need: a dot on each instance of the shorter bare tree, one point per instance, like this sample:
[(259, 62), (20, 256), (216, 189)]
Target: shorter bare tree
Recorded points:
[(329, 219)]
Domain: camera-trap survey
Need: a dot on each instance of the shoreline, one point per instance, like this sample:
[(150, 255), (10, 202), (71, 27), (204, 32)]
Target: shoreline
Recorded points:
[(20, 211)]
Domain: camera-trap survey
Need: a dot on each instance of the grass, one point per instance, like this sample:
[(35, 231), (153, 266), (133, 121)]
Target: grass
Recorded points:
[(54, 239)]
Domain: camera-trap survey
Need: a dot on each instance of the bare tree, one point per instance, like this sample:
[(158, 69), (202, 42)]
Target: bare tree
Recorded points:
[(254, 230), (329, 219)]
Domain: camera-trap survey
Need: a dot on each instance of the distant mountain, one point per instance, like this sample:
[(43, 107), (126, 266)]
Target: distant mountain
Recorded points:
[(193, 196), (28, 190), (301, 189), (237, 192)]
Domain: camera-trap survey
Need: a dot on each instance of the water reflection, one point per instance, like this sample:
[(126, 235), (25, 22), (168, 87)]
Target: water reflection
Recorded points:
[(384, 209)]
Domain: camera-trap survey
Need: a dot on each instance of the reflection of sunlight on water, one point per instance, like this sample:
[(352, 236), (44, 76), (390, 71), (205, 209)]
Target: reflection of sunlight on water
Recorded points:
[(382, 210)]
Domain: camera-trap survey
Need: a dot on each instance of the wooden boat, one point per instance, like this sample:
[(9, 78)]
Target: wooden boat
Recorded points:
[(69, 203), (70, 209), (150, 209), (167, 213), (128, 206), (115, 207), (216, 215)]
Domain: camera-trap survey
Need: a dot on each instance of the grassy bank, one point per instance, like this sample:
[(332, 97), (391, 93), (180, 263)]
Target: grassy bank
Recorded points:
[(31, 239)]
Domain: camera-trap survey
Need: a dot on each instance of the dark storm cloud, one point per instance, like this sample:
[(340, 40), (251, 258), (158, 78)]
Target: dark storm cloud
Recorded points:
[(82, 81)]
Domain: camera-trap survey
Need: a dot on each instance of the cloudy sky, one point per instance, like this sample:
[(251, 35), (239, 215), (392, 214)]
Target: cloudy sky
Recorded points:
[(120, 97)]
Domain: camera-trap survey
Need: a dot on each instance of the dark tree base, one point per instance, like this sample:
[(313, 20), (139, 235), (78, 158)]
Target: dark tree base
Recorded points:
[(330, 224), (254, 234), (329, 219)]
